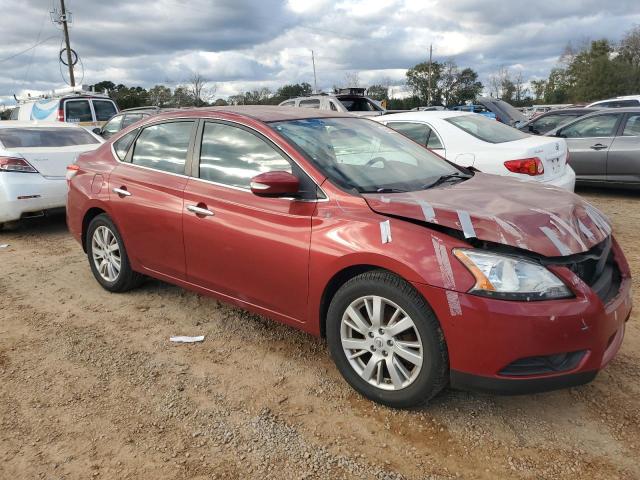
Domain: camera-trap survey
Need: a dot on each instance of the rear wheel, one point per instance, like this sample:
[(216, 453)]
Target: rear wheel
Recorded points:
[(386, 341), (108, 257)]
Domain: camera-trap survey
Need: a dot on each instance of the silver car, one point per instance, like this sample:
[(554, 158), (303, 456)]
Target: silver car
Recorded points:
[(604, 146), (344, 100)]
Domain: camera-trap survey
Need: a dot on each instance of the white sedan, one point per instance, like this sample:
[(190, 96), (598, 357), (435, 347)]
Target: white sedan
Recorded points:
[(33, 164), (472, 140)]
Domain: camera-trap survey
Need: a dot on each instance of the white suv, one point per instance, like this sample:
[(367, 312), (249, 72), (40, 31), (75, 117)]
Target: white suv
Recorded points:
[(344, 100)]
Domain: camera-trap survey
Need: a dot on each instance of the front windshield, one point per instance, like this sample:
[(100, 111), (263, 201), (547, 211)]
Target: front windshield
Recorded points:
[(357, 153)]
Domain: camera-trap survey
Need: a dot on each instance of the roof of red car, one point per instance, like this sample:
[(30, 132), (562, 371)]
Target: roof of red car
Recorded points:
[(263, 113)]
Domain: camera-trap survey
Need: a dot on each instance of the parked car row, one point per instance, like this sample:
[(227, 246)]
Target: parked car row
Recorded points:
[(419, 272), (472, 140), (33, 165)]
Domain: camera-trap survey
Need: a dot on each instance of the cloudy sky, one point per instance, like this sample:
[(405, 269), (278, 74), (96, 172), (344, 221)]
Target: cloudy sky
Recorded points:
[(242, 44)]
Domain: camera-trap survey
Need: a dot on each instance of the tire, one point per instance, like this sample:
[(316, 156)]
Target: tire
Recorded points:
[(125, 278), (390, 343)]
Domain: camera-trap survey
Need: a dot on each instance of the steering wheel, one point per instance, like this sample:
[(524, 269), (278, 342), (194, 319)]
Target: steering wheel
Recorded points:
[(373, 161)]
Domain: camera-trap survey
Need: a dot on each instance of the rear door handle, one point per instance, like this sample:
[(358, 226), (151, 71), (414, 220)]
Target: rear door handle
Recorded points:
[(200, 211), (598, 146), (123, 192)]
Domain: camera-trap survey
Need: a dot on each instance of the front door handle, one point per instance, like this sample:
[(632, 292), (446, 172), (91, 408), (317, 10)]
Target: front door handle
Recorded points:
[(598, 146), (123, 192), (200, 211)]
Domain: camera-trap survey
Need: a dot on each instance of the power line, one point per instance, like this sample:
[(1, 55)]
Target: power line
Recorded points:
[(27, 49)]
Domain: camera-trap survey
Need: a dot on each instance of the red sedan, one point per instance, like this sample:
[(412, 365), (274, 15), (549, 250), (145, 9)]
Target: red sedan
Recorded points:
[(419, 273)]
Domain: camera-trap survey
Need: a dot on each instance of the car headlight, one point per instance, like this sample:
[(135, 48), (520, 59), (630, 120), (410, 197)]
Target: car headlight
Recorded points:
[(510, 277)]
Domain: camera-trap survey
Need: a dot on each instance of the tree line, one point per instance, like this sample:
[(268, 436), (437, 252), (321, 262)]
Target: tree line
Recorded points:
[(595, 70)]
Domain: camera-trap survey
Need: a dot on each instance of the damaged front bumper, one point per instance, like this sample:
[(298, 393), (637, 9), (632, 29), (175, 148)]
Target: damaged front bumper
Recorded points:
[(513, 347)]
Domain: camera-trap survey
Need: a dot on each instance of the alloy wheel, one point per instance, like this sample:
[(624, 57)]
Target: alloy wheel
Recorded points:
[(106, 253), (381, 342)]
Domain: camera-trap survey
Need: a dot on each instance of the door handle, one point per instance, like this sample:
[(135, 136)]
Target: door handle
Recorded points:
[(200, 211), (123, 192), (598, 146)]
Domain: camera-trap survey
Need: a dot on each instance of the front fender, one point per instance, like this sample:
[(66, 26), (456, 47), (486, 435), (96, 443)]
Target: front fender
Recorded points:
[(414, 252)]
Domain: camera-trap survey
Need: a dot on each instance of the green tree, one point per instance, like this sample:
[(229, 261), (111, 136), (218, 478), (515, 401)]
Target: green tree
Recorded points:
[(182, 97), (468, 88), (160, 95), (424, 88), (378, 92), (291, 91), (538, 87)]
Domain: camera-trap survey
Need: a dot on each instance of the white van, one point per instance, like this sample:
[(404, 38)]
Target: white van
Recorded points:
[(86, 108)]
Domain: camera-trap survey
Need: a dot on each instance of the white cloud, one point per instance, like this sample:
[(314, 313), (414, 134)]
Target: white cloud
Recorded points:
[(243, 44)]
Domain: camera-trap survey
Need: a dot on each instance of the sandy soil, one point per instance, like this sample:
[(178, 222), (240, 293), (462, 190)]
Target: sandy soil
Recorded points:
[(91, 387)]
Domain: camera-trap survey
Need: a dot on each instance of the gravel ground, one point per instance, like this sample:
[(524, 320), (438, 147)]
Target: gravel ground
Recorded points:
[(91, 387)]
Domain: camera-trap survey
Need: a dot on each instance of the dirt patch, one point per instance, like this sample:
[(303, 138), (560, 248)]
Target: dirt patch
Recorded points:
[(92, 388)]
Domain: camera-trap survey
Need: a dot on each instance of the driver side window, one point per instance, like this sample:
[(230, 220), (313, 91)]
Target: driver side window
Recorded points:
[(598, 126)]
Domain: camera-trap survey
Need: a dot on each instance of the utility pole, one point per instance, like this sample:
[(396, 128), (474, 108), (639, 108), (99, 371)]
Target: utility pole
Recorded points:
[(63, 18), (315, 81), (430, 58)]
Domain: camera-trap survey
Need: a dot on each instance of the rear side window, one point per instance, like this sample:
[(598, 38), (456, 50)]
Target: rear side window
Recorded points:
[(309, 103), (105, 109), (632, 128), (121, 146), (486, 129), (130, 119), (549, 122), (14, 114), (233, 156), (78, 111), (597, 126), (113, 125), (288, 104), (417, 132), (45, 137), (163, 147)]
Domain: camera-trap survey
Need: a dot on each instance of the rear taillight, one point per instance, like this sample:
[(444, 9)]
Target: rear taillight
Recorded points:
[(71, 171), (60, 114), (15, 164), (527, 166)]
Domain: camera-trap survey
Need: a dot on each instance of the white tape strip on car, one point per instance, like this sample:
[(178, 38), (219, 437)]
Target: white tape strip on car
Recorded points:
[(585, 230), (427, 211), (465, 223), (385, 231), (448, 280), (561, 223), (551, 235)]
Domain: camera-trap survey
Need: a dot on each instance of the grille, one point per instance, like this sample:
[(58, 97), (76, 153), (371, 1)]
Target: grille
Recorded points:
[(598, 269)]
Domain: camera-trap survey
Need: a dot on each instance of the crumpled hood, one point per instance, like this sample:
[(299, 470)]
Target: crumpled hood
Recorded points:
[(546, 220)]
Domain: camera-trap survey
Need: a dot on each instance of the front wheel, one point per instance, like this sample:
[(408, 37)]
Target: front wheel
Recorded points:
[(386, 341), (108, 256)]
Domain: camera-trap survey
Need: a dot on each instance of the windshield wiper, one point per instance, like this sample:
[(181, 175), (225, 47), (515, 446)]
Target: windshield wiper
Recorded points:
[(446, 178), (384, 190)]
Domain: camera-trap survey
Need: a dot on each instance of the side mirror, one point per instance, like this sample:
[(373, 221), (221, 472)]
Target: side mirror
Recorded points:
[(97, 131), (275, 184)]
